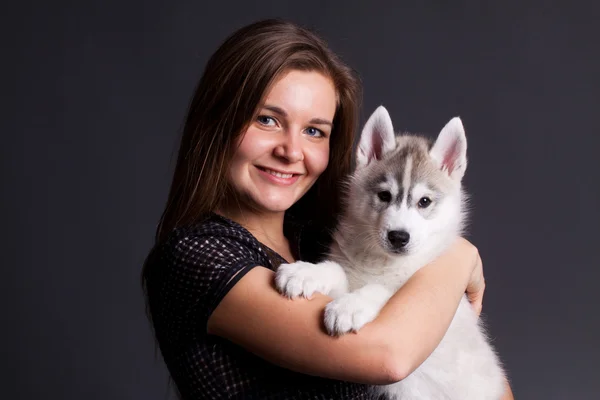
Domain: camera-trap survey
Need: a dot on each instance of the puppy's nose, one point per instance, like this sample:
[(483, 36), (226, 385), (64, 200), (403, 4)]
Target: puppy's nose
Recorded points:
[(398, 239)]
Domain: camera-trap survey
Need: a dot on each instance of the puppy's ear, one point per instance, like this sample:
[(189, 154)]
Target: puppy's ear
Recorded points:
[(450, 149), (377, 138)]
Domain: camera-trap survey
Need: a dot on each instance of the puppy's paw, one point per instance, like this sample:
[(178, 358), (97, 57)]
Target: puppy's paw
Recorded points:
[(302, 279), (349, 313)]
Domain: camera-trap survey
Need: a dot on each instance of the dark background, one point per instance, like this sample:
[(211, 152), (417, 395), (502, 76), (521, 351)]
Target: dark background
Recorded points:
[(94, 94)]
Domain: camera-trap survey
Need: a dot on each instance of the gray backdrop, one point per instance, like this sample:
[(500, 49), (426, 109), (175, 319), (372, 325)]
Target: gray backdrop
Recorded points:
[(94, 97)]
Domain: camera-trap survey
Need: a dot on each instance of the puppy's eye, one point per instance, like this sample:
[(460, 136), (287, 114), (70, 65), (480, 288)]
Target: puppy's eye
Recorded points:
[(424, 202), (385, 196)]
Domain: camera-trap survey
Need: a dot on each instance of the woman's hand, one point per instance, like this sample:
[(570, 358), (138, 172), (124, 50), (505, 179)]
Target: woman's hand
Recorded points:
[(476, 285), (468, 256)]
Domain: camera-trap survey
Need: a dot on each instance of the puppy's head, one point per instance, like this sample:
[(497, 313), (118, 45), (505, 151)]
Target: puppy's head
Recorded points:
[(406, 191)]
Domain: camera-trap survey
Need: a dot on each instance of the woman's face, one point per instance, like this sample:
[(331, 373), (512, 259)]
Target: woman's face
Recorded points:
[(286, 148)]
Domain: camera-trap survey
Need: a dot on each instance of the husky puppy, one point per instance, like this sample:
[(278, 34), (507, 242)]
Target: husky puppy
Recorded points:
[(405, 206)]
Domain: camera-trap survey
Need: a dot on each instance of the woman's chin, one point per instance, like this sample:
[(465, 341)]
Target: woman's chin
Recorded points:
[(275, 205)]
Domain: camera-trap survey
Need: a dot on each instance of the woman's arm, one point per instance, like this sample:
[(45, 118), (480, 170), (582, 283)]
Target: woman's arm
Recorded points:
[(290, 333)]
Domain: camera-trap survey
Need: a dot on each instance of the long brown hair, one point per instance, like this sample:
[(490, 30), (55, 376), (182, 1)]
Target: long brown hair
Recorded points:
[(235, 81)]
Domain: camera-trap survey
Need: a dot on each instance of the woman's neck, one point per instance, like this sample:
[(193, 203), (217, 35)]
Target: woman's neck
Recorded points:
[(267, 228)]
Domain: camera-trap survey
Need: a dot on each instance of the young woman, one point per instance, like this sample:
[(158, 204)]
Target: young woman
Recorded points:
[(267, 140)]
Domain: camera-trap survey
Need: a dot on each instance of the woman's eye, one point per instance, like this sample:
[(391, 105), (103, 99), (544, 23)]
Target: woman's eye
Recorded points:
[(314, 132), (266, 120)]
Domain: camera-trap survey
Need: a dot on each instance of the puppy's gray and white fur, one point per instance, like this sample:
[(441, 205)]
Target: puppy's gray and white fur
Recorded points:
[(405, 206)]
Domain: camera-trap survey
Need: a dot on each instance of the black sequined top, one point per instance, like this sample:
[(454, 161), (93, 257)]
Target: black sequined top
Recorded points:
[(188, 275)]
